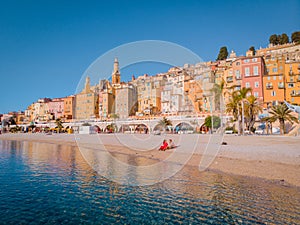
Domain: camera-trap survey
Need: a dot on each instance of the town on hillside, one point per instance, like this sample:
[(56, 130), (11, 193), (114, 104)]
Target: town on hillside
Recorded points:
[(259, 81)]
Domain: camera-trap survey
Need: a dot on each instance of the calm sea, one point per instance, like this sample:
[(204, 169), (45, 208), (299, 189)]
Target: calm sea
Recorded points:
[(44, 183)]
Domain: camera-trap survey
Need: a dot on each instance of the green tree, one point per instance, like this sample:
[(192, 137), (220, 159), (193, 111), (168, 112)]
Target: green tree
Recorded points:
[(281, 113), (233, 105), (212, 121), (296, 37), (59, 125), (284, 39), (252, 109), (165, 122), (273, 39), (252, 49), (223, 53)]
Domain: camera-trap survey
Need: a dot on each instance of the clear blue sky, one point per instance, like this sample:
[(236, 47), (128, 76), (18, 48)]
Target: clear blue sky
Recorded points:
[(45, 46)]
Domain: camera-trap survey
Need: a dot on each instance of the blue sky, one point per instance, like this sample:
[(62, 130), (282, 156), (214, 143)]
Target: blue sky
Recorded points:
[(45, 46)]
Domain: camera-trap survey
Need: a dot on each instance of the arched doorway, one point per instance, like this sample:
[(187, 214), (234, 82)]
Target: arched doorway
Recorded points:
[(141, 129), (183, 128)]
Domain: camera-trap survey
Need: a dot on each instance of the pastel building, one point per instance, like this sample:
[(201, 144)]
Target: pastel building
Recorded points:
[(56, 108), (252, 71), (69, 107), (87, 103), (149, 94), (292, 79), (273, 80), (125, 100), (41, 110)]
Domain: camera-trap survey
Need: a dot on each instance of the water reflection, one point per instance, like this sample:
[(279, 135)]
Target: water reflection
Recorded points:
[(47, 183)]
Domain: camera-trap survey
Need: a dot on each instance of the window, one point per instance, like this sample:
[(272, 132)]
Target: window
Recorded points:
[(237, 74), (256, 84), (238, 63), (254, 60), (246, 60), (280, 77), (274, 70), (247, 84), (274, 78), (247, 71), (255, 70), (273, 93), (269, 78), (291, 85), (255, 94)]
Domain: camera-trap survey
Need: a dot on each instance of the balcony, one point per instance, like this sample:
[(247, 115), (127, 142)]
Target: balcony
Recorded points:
[(281, 86), (269, 87), (295, 94), (229, 79)]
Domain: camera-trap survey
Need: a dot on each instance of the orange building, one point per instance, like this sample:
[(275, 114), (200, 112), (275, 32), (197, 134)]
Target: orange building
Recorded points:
[(69, 107), (292, 78), (273, 80)]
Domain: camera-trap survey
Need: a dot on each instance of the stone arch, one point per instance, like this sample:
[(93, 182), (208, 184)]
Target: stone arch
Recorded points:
[(97, 129), (142, 128), (203, 129), (184, 127), (111, 128), (127, 128)]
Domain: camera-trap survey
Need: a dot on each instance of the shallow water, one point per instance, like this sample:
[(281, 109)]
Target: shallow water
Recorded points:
[(44, 183)]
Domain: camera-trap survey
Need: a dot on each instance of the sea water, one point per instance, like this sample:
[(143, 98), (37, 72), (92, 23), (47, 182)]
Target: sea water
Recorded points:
[(42, 183)]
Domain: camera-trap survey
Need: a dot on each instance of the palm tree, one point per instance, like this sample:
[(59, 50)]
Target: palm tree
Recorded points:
[(252, 109), (233, 105), (165, 122), (59, 125), (281, 113)]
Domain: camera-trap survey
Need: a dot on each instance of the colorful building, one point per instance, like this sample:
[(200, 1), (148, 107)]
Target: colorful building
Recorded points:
[(292, 78), (56, 108), (69, 107), (87, 103), (273, 80)]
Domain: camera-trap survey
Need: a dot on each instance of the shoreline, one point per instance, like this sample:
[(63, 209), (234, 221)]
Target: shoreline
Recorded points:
[(274, 158)]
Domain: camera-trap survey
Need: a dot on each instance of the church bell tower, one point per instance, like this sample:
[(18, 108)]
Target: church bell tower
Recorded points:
[(116, 76)]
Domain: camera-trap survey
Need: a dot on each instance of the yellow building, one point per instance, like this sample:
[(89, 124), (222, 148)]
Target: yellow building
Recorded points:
[(273, 80), (292, 78), (87, 103), (149, 94)]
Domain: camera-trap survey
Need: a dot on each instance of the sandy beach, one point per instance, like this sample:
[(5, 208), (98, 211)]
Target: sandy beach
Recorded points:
[(275, 158)]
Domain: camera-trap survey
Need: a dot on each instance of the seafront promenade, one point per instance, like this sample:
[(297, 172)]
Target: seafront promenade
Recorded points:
[(275, 158)]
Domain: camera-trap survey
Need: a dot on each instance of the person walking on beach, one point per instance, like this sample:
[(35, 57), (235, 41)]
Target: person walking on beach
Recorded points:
[(164, 146)]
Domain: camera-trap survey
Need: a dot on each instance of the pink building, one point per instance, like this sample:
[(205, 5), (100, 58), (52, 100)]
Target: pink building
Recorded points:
[(56, 108), (251, 72)]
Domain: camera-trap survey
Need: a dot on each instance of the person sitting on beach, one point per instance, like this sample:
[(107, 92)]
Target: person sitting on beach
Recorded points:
[(171, 144), (164, 146)]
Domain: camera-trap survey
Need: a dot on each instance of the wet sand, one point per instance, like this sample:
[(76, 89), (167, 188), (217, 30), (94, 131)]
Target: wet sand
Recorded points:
[(275, 158)]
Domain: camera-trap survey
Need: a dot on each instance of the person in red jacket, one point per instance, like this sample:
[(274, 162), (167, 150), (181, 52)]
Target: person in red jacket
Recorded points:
[(164, 146)]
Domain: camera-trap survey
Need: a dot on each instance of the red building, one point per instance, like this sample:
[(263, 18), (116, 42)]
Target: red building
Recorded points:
[(252, 70)]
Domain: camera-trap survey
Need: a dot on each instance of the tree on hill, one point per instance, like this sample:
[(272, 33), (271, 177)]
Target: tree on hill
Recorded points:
[(252, 49), (273, 39), (223, 53), (284, 39), (296, 37)]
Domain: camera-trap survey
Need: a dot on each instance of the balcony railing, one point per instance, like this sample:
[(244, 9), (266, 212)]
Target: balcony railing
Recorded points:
[(294, 94)]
